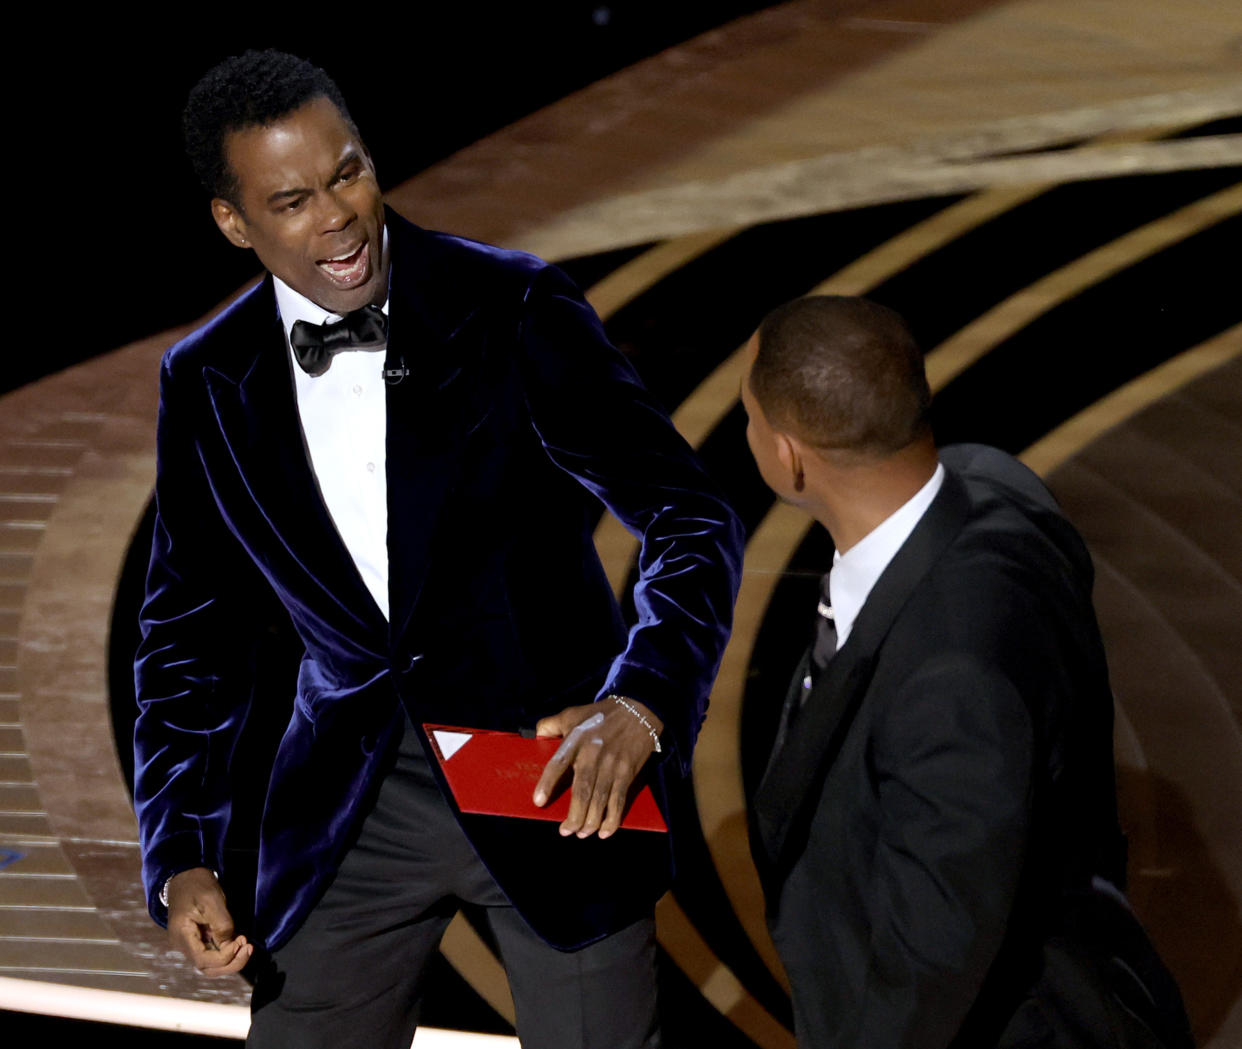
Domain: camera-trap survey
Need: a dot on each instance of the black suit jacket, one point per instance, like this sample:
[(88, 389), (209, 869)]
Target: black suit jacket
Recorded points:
[(515, 414), (933, 828)]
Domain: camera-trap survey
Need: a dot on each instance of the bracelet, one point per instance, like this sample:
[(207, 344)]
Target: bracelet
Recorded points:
[(163, 897), (655, 736)]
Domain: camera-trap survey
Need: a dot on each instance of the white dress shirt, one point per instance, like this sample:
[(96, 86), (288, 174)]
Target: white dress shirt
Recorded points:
[(345, 423), (855, 572)]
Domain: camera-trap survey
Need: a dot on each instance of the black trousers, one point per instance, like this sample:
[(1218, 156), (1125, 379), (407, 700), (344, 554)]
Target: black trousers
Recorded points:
[(352, 973)]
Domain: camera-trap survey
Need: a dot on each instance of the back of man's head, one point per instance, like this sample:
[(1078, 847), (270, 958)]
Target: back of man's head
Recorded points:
[(254, 89), (841, 374)]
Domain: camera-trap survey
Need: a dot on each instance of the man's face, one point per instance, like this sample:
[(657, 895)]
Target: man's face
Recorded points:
[(310, 207), (771, 449)]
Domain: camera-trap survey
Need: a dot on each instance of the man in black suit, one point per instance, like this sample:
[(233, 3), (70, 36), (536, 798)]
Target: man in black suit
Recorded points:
[(936, 829), (399, 434)]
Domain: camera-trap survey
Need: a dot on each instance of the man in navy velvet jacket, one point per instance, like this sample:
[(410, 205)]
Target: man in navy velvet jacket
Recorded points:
[(456, 584)]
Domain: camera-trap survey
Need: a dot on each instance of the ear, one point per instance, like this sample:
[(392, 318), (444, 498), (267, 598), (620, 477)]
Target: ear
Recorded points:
[(789, 454), (231, 221)]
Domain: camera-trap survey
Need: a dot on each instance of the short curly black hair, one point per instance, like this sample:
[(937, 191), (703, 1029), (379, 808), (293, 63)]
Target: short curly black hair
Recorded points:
[(248, 90)]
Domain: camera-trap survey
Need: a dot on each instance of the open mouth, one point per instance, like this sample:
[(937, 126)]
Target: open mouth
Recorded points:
[(349, 268)]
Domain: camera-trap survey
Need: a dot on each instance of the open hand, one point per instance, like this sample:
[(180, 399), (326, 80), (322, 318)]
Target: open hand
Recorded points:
[(606, 746)]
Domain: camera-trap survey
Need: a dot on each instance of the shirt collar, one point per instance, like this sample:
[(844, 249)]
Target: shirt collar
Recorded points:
[(855, 572)]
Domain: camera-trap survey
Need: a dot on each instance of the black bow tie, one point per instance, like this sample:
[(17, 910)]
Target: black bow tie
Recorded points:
[(315, 345)]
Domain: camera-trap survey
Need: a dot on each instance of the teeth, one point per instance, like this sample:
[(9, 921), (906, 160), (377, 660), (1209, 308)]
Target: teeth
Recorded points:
[(342, 258)]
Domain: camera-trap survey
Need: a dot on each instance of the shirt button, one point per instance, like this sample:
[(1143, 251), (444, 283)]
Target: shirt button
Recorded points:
[(358, 389), (370, 468)]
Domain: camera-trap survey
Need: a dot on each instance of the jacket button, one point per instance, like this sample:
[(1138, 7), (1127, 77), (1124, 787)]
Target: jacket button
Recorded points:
[(414, 660)]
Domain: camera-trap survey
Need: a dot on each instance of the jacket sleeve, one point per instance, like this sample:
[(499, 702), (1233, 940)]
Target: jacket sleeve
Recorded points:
[(190, 673), (598, 422), (952, 760)]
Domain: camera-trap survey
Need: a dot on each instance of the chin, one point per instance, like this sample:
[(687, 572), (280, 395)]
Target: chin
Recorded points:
[(346, 300)]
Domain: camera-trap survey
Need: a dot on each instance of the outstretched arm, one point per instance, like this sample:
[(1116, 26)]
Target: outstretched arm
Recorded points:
[(597, 422)]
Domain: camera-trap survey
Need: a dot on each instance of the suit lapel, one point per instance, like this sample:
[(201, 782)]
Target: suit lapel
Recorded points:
[(426, 424), (256, 409), (800, 762)]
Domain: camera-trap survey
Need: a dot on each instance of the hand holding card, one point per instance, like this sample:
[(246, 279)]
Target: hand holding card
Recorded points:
[(495, 773)]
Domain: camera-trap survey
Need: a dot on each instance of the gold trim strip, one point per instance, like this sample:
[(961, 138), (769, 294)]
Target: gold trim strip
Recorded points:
[(1073, 435), (627, 282), (477, 965), (716, 982), (957, 353)]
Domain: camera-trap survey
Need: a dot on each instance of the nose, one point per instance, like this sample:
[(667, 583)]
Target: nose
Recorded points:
[(337, 213)]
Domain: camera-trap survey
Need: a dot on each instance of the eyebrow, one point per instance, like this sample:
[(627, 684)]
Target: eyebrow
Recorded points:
[(353, 156), (286, 194)]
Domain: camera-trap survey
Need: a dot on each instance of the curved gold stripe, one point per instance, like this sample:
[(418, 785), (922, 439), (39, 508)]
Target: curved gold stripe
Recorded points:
[(714, 397), (627, 282), (1073, 435), (478, 966), (616, 547), (717, 778), (960, 351), (716, 982)]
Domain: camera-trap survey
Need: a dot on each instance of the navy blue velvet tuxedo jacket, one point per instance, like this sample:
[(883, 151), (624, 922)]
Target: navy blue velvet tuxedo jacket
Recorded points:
[(515, 413)]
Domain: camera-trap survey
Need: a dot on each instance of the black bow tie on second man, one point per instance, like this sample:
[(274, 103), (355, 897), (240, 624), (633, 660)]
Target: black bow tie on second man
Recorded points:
[(315, 345)]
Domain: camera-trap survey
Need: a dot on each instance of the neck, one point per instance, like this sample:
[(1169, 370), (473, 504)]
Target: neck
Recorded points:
[(852, 497)]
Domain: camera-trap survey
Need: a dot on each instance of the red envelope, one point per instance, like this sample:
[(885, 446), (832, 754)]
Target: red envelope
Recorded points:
[(494, 773)]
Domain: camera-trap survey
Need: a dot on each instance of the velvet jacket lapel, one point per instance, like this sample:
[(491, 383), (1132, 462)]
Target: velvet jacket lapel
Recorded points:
[(253, 398), (429, 335), (803, 758)]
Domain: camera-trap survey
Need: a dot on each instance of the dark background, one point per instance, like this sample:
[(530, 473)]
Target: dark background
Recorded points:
[(107, 223)]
